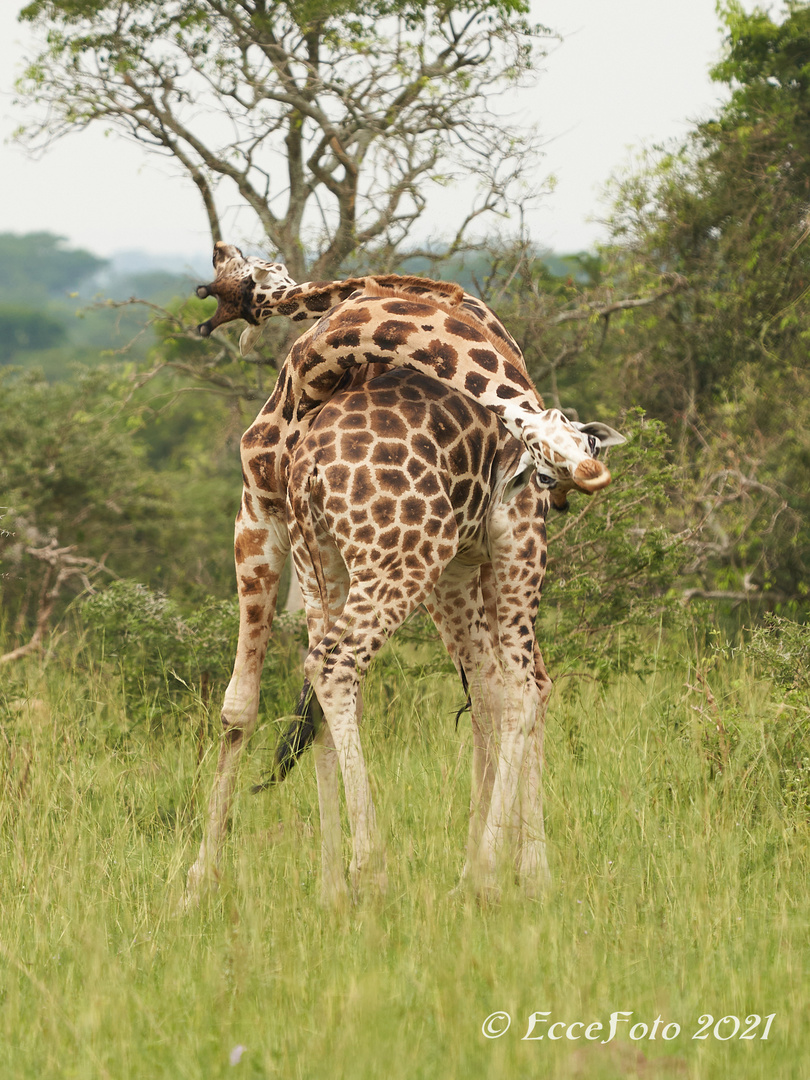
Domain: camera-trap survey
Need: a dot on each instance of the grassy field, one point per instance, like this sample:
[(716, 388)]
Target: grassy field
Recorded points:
[(679, 845)]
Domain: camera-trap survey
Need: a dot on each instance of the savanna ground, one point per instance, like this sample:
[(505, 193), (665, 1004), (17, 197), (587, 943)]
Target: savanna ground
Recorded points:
[(676, 807)]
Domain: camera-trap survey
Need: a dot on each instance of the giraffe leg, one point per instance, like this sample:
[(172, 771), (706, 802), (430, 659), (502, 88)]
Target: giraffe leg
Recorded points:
[(501, 834), (374, 609), (483, 777), (385, 585), (260, 548), (490, 597), (334, 669), (532, 863), (335, 579), (333, 883), (512, 598), (457, 608)]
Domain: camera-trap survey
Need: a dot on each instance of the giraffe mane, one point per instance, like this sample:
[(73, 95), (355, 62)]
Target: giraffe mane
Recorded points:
[(446, 292)]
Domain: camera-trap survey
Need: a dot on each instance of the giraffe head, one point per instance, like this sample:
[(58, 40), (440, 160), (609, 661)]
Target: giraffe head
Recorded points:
[(569, 452), (240, 285)]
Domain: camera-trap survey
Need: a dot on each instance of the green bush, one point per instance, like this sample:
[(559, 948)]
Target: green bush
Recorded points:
[(160, 652), (613, 561), (780, 649)]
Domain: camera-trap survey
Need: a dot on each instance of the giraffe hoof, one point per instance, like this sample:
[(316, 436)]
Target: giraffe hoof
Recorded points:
[(535, 883), (379, 882), (370, 878), (463, 887), (535, 888)]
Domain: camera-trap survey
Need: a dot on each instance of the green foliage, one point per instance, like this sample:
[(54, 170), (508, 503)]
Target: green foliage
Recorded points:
[(36, 265), (728, 211), (724, 364), (128, 480), (160, 653), (613, 562), (51, 316), (70, 463), (23, 329), (782, 648), (767, 63), (353, 16), (779, 649)]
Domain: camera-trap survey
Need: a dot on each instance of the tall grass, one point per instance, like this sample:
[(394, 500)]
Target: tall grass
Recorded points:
[(678, 844)]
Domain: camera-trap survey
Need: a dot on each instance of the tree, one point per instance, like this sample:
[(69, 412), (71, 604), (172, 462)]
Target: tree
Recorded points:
[(329, 119), (728, 211), (70, 466), (34, 265), (24, 328), (725, 364)]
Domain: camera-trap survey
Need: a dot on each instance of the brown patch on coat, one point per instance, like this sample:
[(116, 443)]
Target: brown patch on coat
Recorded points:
[(249, 543)]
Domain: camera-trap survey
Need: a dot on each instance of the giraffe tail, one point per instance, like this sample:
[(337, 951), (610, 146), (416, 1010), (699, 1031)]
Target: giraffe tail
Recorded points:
[(467, 706), (296, 737)]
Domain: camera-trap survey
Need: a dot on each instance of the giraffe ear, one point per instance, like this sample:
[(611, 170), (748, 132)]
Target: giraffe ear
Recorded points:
[(260, 274), (522, 476), (248, 338), (607, 436)]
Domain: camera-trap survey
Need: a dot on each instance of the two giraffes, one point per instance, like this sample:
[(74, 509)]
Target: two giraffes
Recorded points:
[(404, 458)]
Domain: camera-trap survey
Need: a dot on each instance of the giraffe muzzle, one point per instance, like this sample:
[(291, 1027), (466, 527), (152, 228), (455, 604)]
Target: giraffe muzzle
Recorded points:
[(204, 291), (591, 475), (225, 312)]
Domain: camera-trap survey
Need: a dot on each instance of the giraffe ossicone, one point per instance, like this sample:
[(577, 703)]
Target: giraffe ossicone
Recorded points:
[(394, 487)]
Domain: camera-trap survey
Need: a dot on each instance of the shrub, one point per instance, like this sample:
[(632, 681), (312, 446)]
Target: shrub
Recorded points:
[(780, 648), (613, 561), (156, 648)]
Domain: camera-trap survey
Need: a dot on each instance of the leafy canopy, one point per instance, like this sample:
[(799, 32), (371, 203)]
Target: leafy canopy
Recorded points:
[(726, 365), (35, 263)]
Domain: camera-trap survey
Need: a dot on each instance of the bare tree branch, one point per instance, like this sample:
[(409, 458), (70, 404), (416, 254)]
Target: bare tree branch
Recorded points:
[(62, 566), (321, 112)]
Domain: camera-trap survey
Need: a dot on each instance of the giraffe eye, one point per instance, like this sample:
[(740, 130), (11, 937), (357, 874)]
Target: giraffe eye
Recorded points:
[(594, 446), (546, 481)]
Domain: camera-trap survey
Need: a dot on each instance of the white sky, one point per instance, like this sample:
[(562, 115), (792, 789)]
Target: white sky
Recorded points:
[(628, 73)]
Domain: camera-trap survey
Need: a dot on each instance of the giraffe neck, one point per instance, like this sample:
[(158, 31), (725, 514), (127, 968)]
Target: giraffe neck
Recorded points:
[(310, 300)]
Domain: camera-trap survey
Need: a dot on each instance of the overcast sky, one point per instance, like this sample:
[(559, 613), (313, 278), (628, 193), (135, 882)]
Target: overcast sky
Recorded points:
[(628, 73)]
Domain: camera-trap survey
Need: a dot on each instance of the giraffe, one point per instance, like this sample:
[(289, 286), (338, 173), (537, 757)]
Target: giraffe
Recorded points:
[(449, 486), (312, 459)]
